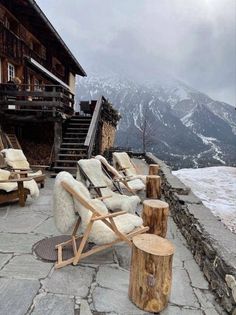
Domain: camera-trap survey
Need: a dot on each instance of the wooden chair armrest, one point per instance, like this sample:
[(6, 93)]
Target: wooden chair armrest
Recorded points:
[(102, 198), (109, 215)]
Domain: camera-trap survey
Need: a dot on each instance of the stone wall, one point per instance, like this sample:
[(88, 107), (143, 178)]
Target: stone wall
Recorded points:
[(212, 244), (108, 132)]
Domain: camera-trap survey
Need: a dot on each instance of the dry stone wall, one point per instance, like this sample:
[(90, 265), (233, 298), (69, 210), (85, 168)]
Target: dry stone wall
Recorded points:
[(212, 244)]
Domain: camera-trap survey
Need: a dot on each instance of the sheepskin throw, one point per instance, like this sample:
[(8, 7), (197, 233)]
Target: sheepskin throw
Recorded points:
[(134, 184), (66, 206), (122, 161), (93, 169), (15, 159)]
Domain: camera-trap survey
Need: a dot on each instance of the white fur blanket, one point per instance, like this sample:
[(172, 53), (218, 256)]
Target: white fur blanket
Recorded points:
[(122, 160), (31, 185), (15, 158), (65, 206), (93, 169), (134, 184)]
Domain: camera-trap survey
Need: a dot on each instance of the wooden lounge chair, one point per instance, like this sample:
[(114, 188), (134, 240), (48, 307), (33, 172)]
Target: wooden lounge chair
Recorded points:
[(90, 170), (12, 189), (16, 161), (131, 184), (123, 163), (96, 224)]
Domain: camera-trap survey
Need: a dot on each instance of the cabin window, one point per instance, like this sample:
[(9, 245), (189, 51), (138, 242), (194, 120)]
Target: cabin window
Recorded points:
[(10, 72)]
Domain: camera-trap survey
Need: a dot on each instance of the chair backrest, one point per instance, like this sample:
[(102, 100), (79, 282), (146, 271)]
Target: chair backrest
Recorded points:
[(108, 166), (123, 161), (15, 159), (92, 170), (72, 196)]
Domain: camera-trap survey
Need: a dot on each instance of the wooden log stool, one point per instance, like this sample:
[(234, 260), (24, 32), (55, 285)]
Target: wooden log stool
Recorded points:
[(153, 186), (155, 215), (151, 272), (154, 169)]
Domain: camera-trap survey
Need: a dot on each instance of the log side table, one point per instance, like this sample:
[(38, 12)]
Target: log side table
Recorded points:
[(151, 272), (155, 215), (153, 186)]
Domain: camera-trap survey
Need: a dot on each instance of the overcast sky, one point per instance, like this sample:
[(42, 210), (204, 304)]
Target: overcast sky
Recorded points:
[(193, 40)]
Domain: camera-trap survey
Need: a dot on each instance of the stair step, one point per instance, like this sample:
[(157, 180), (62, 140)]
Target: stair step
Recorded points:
[(73, 133), (73, 143), (73, 128), (79, 124), (70, 155), (66, 161), (74, 138), (73, 149)]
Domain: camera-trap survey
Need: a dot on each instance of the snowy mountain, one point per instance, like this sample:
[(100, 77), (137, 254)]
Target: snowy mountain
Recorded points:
[(183, 126), (204, 183)]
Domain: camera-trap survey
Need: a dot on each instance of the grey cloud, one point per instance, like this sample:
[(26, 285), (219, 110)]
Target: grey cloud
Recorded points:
[(191, 40)]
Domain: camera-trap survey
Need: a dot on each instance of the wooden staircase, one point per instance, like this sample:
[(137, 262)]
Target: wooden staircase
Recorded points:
[(72, 147)]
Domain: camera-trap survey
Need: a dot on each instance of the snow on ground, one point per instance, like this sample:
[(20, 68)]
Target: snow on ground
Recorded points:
[(216, 187)]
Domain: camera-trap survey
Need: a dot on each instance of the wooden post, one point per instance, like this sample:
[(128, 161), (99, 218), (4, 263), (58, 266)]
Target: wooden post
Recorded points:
[(151, 272), (155, 215), (154, 169), (153, 187)]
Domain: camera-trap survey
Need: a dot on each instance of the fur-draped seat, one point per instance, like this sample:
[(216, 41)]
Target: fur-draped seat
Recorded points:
[(95, 223), (91, 170), (130, 183), (122, 162)]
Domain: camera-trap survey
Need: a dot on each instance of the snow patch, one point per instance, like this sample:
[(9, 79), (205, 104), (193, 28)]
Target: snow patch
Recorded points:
[(216, 187)]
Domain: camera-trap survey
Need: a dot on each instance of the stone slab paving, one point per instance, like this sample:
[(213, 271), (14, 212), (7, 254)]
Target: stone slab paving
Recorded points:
[(97, 286)]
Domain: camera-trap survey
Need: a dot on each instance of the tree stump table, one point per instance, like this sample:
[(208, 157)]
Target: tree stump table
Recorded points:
[(151, 272), (155, 215), (154, 169), (153, 186)]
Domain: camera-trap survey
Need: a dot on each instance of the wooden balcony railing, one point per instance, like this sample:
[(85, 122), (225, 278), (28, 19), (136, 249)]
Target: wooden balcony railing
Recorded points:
[(40, 98)]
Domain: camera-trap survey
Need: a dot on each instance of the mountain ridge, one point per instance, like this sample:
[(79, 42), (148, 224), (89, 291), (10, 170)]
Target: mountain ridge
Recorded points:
[(184, 127)]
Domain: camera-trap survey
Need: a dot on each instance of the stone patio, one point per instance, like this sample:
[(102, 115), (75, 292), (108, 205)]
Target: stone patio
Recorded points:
[(98, 285)]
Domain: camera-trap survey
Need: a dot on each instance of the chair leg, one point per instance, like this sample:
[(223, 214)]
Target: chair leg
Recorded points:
[(83, 243)]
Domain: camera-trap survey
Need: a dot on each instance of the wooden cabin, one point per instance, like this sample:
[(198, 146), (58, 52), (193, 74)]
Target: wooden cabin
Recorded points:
[(37, 87)]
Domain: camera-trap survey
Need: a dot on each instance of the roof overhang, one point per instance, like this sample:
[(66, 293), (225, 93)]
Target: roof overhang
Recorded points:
[(47, 72), (32, 17)]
